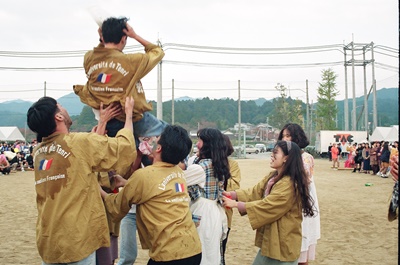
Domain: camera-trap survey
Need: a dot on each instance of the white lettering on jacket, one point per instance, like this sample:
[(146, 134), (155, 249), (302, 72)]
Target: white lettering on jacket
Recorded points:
[(168, 178)]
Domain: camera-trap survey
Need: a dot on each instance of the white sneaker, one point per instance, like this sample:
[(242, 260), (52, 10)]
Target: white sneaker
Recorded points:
[(379, 174), (384, 176)]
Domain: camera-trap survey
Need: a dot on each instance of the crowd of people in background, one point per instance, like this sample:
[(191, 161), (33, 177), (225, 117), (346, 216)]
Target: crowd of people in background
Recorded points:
[(16, 156), (371, 158), (368, 158)]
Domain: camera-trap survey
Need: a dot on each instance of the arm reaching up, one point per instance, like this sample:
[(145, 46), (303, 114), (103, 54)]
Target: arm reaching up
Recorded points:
[(129, 104)]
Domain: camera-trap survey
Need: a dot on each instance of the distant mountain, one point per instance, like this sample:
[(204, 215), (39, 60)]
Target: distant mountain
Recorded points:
[(387, 105), (72, 103), (184, 98), (17, 106), (13, 113)]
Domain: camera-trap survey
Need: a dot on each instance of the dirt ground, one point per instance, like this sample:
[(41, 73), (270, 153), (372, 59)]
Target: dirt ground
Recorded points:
[(354, 225)]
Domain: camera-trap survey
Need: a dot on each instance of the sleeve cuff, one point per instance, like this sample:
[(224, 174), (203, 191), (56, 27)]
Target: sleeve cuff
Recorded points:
[(233, 195), (242, 208)]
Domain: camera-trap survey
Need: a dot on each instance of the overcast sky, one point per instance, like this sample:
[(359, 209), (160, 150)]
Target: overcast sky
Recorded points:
[(59, 26)]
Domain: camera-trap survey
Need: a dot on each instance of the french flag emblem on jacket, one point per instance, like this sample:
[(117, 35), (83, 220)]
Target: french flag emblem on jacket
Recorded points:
[(45, 164), (179, 187), (103, 78)]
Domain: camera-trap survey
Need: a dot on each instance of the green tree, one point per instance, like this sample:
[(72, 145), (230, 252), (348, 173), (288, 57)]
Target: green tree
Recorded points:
[(296, 111), (85, 121), (285, 109), (326, 106)]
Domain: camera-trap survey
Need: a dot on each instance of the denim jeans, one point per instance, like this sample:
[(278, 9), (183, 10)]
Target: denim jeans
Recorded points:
[(263, 260), (128, 245), (148, 126), (90, 260)]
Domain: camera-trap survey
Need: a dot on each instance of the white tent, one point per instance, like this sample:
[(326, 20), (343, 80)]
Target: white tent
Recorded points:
[(393, 134), (10, 134), (380, 134)]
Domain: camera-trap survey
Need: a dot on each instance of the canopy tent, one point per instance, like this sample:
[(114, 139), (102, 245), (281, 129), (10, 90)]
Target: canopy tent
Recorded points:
[(11, 134), (393, 134), (380, 134)]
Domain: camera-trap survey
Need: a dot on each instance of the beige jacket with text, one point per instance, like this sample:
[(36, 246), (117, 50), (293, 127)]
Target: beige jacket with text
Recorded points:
[(71, 221)]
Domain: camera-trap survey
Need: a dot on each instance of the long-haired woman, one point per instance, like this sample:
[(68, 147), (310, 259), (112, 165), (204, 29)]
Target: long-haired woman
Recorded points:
[(311, 226), (206, 197), (275, 206)]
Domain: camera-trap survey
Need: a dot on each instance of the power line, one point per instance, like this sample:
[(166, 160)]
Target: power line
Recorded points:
[(61, 68), (270, 66), (59, 54), (252, 49), (196, 48), (202, 49)]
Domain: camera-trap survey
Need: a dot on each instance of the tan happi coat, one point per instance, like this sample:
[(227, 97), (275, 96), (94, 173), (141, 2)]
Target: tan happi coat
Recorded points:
[(163, 217), (72, 221), (277, 218), (124, 72)]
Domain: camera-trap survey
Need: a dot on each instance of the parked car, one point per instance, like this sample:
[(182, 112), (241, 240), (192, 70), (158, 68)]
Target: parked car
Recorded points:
[(251, 149), (262, 147)]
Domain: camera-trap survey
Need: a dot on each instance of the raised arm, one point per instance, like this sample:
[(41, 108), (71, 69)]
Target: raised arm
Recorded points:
[(129, 103), (112, 111), (130, 32)]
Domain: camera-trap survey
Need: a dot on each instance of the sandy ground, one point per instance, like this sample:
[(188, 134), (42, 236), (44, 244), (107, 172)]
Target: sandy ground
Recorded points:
[(354, 224)]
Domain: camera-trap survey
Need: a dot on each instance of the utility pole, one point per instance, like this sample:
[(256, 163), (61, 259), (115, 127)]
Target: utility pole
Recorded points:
[(307, 113), (374, 105), (363, 62), (365, 95), (346, 94), (159, 88), (239, 119), (311, 120), (173, 104), (353, 118)]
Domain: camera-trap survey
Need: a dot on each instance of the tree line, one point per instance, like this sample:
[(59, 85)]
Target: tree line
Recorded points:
[(223, 113)]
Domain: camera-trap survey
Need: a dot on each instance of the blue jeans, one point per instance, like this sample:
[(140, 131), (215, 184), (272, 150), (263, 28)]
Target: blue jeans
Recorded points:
[(128, 245), (263, 260), (90, 260), (148, 126)]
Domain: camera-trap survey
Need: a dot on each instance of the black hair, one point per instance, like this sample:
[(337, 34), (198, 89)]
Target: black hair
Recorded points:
[(294, 168), (175, 143), (215, 148), (40, 116), (112, 29), (229, 147), (296, 133), (385, 146)]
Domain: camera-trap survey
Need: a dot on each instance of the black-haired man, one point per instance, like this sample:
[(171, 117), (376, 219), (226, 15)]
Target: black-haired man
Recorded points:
[(72, 222), (112, 75), (164, 220)]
